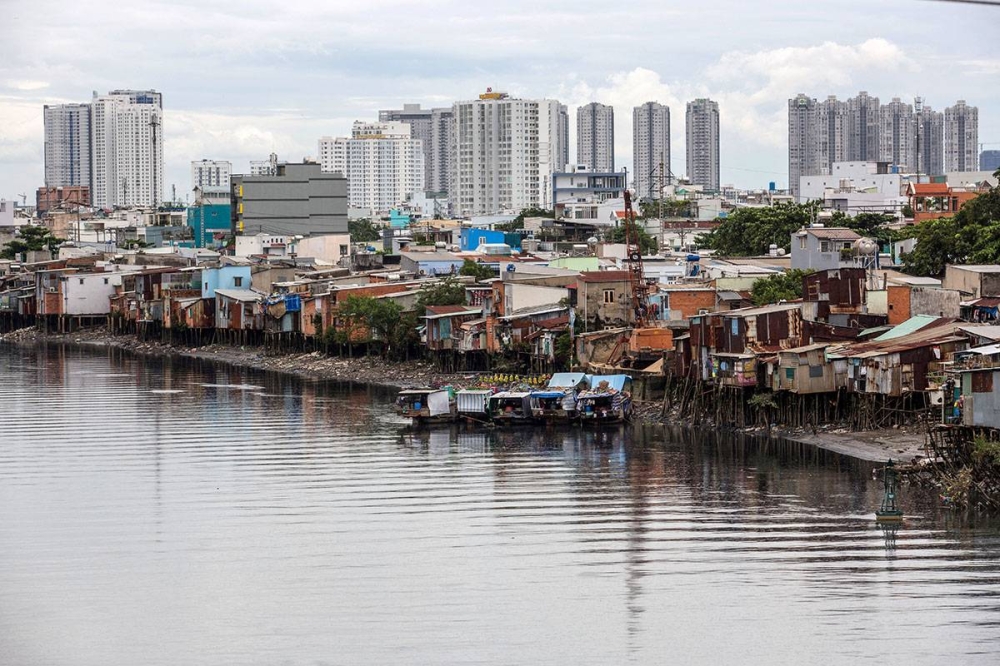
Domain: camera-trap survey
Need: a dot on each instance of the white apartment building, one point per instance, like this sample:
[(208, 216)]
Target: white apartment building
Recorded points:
[(127, 148), (506, 151), (67, 144), (595, 136), (961, 137), (702, 147), (434, 127), (383, 165), (855, 187), (210, 173), (650, 147)]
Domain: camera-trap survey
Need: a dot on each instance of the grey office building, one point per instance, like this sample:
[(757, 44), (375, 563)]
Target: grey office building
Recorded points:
[(299, 199), (435, 128)]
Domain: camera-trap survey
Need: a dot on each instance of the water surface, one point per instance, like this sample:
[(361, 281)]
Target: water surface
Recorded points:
[(174, 512)]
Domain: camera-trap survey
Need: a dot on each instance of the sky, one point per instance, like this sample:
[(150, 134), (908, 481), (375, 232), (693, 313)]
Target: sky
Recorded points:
[(242, 79)]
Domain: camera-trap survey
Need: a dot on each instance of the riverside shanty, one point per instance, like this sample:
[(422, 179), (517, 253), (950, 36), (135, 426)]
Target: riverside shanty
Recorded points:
[(864, 345)]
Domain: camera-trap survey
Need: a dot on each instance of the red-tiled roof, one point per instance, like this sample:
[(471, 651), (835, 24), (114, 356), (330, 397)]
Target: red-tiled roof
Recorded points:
[(833, 233), (447, 309), (604, 276), (930, 189)]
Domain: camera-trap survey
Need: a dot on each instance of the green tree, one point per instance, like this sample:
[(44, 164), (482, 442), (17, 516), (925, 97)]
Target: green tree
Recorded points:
[(647, 244), (447, 291), (778, 287), (363, 231), (650, 208), (748, 232), (30, 239), (477, 270), (376, 319), (518, 222), (972, 235)]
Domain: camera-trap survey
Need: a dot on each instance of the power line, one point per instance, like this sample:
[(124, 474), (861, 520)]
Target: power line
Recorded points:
[(991, 3)]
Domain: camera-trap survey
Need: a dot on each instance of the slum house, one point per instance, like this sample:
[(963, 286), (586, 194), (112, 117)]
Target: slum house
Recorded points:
[(978, 371), (906, 301), (836, 305), (188, 316), (17, 301), (973, 281), (239, 316), (136, 307), (732, 341), (604, 300), (981, 310), (444, 333), (69, 299), (508, 334)]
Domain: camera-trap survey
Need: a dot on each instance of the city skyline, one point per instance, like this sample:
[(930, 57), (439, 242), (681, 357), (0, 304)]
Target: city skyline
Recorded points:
[(315, 70)]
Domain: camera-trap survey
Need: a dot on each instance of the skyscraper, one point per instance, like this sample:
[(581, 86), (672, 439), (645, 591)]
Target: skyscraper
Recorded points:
[(862, 128), (433, 128), (506, 151), (801, 140), (896, 134), (961, 137), (127, 153), (210, 173), (67, 145), (383, 164), (702, 129), (929, 137), (595, 137), (831, 141), (650, 147)]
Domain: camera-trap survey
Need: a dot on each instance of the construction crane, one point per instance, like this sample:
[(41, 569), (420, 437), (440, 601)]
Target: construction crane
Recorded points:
[(633, 262)]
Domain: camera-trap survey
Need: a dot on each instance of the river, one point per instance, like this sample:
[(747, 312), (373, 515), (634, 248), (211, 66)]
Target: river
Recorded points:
[(179, 512)]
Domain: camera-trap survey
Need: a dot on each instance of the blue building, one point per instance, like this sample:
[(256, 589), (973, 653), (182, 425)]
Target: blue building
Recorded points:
[(471, 238), (224, 277), (206, 221)]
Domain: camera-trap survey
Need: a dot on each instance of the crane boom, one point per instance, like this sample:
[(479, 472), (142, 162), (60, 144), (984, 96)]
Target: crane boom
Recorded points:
[(633, 260)]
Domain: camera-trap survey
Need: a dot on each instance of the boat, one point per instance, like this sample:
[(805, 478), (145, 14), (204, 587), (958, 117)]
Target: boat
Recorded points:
[(609, 400), (557, 402), (426, 405), (510, 407), (473, 404)]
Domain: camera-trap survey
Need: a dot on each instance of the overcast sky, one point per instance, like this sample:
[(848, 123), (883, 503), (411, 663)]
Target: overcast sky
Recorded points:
[(241, 79)]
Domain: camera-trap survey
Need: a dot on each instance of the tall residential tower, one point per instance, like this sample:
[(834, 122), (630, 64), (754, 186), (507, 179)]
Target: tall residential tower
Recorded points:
[(67, 145), (595, 137), (650, 147), (702, 131), (127, 154), (961, 137)]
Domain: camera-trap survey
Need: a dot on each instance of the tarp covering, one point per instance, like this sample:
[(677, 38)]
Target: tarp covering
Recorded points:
[(566, 379), (547, 394), (437, 403), (473, 402), (617, 382)]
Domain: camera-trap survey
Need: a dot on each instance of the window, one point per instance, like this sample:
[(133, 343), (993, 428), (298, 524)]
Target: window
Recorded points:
[(237, 281), (609, 295), (343, 250), (105, 280), (824, 246)]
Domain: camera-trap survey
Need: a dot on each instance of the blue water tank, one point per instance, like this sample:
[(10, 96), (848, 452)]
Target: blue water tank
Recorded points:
[(771, 187)]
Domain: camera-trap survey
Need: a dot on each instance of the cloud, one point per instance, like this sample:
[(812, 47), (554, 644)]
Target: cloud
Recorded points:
[(26, 85)]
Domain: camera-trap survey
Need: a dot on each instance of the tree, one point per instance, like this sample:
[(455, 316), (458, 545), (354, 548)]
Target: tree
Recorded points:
[(651, 208), (518, 222), (363, 231), (748, 232), (778, 287), (376, 319), (30, 239), (972, 235), (477, 270), (448, 291), (647, 244)]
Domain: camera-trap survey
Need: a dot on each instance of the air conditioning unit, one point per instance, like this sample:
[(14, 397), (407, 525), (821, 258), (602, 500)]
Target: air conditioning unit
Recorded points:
[(703, 311), (53, 290)]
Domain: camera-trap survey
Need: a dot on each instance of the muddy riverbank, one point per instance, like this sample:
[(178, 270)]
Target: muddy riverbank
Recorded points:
[(903, 444)]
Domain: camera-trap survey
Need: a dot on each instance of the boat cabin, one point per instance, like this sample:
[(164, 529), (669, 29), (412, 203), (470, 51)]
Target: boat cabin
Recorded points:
[(426, 405)]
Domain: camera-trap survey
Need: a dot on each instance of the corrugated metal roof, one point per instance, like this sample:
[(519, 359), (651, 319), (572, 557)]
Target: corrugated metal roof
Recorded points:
[(982, 331), (832, 233), (243, 295), (911, 325), (604, 276)]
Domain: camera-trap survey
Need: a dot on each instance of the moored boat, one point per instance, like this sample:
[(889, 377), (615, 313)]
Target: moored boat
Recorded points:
[(510, 407), (557, 402), (426, 405), (473, 404), (609, 400)]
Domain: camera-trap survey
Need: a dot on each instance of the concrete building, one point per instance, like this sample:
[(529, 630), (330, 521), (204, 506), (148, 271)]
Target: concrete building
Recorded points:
[(580, 193), (210, 224), (989, 160), (832, 138), (68, 198), (383, 164), (855, 187), (595, 136), (896, 135), (506, 151), (863, 119), (801, 123), (650, 147), (268, 167), (67, 145), (961, 137), (435, 128), (973, 281), (820, 248), (702, 130), (299, 199), (929, 139), (127, 153), (210, 173)]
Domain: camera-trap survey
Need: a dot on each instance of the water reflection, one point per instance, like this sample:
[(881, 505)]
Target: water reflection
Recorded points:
[(271, 519)]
